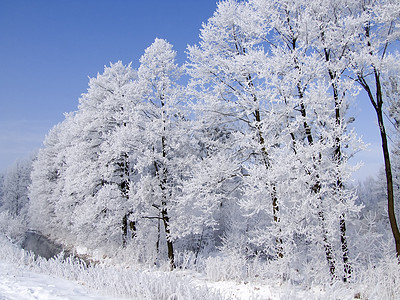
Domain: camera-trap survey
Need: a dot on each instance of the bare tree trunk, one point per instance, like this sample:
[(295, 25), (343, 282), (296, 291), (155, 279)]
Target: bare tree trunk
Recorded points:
[(342, 219), (132, 226), (389, 181), (377, 104), (327, 245), (123, 185), (345, 250), (158, 237), (163, 175), (170, 246), (200, 245), (124, 226)]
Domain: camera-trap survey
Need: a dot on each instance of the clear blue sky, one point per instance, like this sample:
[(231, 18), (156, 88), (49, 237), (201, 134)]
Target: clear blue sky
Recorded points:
[(48, 48)]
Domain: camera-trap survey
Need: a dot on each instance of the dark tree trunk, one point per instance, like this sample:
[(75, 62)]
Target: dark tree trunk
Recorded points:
[(132, 226), (123, 184), (377, 103), (327, 245), (163, 176), (158, 235), (345, 249), (240, 50), (124, 230), (170, 246), (389, 181), (342, 219)]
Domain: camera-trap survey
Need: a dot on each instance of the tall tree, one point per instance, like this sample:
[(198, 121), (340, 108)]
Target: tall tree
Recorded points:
[(15, 188), (48, 173), (333, 37), (14, 200), (258, 73), (74, 182), (160, 138), (97, 174), (378, 23), (225, 68)]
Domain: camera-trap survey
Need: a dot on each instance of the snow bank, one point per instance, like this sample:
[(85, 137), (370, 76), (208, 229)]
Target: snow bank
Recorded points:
[(111, 281), (22, 276)]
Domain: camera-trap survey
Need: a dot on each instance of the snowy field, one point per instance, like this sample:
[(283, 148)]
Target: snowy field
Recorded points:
[(17, 284), (23, 277)]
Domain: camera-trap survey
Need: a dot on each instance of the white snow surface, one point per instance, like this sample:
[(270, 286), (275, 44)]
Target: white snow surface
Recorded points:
[(22, 277), (19, 284)]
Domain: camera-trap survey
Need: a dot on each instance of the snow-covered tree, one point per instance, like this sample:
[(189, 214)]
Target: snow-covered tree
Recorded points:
[(96, 179), (48, 181), (226, 69), (14, 203), (258, 71), (333, 36), (161, 143), (75, 185), (15, 188)]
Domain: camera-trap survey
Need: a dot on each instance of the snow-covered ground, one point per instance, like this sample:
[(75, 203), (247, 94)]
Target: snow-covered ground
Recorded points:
[(19, 284), (22, 277)]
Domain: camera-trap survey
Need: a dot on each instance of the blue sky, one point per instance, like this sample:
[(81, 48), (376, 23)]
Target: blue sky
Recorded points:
[(49, 48)]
